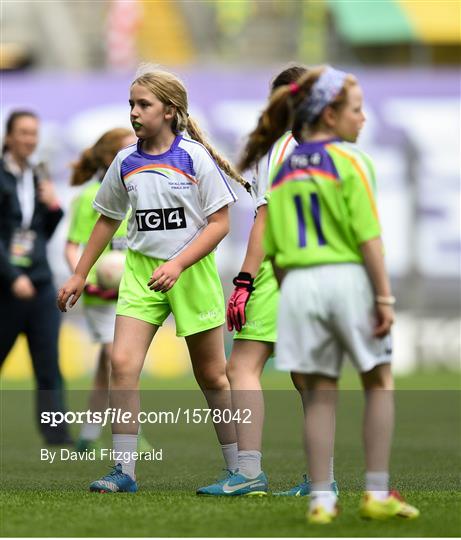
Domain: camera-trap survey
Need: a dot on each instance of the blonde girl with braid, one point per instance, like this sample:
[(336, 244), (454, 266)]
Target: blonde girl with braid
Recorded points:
[(323, 236), (177, 187), (99, 304)]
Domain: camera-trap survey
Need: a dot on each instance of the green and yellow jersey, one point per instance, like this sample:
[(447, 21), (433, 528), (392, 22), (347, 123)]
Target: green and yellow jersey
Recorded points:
[(321, 206)]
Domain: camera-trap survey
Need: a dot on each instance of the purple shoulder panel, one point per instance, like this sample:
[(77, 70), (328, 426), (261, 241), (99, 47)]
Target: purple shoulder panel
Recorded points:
[(309, 157)]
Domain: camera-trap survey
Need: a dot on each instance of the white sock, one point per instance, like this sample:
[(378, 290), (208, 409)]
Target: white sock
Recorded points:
[(332, 470), (129, 444), (249, 463), (230, 454), (377, 483), (321, 495), (90, 432)]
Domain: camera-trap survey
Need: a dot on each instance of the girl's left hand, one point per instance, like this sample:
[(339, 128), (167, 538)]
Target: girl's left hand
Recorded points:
[(385, 319), (165, 276)]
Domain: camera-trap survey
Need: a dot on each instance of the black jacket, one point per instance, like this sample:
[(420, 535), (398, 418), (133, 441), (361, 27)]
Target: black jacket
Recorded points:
[(44, 222)]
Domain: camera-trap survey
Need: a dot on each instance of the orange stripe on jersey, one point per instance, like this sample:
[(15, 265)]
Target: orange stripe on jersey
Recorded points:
[(162, 166), (362, 175), (284, 149), (303, 173)]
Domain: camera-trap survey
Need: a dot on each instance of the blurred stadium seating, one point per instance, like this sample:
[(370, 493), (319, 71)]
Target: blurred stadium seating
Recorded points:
[(72, 62)]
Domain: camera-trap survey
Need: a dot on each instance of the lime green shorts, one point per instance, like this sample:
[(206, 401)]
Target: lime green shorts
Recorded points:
[(196, 299), (261, 309)]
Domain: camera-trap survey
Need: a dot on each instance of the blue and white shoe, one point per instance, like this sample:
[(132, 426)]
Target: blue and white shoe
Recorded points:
[(304, 488), (216, 488), (115, 481), (238, 484)]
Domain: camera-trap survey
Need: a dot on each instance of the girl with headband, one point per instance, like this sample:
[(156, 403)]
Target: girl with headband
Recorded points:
[(252, 312), (323, 236)]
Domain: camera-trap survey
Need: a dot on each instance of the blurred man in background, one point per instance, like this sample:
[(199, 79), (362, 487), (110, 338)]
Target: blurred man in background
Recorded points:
[(29, 214)]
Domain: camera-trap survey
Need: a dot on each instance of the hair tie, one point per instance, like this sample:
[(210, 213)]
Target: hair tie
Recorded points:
[(294, 88)]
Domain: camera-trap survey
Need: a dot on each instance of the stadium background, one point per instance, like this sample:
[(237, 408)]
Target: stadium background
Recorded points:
[(72, 63)]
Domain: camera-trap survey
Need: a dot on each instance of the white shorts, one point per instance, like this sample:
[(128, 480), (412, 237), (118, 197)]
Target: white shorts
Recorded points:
[(101, 322), (324, 313)]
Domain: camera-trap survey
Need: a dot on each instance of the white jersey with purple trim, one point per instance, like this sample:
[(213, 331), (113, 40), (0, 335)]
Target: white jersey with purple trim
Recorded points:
[(269, 165), (171, 195)]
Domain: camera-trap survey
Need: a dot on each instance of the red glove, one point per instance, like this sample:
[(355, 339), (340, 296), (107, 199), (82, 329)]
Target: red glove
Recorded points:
[(105, 294), (238, 301)]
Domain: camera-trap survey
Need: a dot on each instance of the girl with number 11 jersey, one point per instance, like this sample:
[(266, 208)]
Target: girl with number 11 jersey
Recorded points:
[(323, 236)]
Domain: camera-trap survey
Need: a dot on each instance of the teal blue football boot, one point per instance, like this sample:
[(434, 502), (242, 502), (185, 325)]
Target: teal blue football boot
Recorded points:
[(216, 488), (234, 484), (238, 484), (303, 489), (115, 482)]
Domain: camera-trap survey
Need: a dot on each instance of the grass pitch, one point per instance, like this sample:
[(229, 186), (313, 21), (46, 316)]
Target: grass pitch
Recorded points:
[(42, 500)]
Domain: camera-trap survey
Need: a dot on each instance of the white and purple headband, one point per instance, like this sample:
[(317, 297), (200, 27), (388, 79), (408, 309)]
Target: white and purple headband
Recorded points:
[(323, 92)]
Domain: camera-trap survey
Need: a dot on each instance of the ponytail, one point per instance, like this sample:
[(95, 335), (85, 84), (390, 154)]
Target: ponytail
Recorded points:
[(85, 168), (195, 133), (272, 124), (286, 111), (97, 157)]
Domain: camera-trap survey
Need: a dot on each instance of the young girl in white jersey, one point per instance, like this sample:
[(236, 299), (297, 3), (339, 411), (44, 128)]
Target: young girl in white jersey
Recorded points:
[(99, 303), (252, 311), (323, 235), (179, 198)]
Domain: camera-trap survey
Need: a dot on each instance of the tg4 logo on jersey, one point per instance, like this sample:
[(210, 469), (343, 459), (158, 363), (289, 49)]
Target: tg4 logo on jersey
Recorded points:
[(159, 219)]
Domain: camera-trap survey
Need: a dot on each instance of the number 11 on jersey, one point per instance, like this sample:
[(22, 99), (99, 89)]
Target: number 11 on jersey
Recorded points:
[(316, 217)]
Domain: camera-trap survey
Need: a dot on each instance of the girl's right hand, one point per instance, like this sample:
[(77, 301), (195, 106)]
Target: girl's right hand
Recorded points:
[(384, 320), (73, 287)]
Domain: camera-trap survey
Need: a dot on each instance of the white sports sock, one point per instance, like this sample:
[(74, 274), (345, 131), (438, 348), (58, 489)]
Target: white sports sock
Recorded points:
[(129, 444), (377, 483), (249, 463), (90, 432), (230, 454), (332, 470), (321, 495)]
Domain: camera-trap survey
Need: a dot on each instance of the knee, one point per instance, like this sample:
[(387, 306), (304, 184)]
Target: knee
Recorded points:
[(121, 367), (243, 372), (379, 378), (232, 372), (209, 379)]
